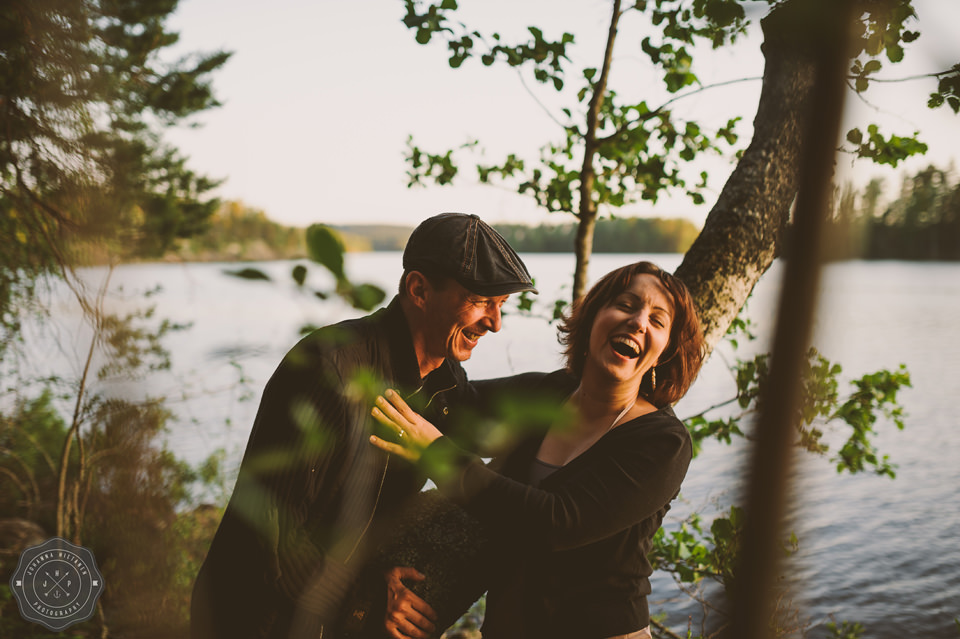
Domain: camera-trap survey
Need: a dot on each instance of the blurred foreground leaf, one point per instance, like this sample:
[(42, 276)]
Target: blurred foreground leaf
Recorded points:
[(248, 274), (325, 247)]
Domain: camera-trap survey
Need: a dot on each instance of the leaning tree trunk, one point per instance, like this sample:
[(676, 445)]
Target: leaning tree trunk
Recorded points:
[(741, 235)]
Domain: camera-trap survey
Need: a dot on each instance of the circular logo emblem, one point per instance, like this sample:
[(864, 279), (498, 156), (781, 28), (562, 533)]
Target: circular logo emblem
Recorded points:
[(56, 584)]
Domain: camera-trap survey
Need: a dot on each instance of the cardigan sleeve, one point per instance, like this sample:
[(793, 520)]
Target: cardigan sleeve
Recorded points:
[(627, 476)]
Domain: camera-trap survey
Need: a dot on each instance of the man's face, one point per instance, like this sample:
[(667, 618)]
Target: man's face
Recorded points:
[(456, 319)]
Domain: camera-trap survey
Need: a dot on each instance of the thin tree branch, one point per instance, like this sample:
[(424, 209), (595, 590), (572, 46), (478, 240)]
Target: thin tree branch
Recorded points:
[(74, 429), (657, 111), (542, 106), (909, 78)]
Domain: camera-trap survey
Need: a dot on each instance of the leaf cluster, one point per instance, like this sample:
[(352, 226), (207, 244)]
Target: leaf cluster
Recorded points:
[(884, 150), (638, 150), (882, 32), (433, 19), (948, 90), (821, 406), (693, 553)]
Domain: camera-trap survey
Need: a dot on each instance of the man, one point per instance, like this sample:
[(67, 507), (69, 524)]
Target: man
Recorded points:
[(312, 494)]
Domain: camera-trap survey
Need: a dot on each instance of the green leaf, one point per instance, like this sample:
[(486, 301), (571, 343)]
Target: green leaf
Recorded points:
[(325, 247), (248, 273), (894, 52), (299, 274), (365, 297)]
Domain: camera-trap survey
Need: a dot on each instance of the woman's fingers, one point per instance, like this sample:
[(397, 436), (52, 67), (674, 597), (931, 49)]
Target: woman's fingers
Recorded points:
[(384, 419), (400, 421), (396, 401), (394, 449)]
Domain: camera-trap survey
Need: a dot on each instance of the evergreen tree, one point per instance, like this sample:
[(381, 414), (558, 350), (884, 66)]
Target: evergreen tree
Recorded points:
[(84, 97)]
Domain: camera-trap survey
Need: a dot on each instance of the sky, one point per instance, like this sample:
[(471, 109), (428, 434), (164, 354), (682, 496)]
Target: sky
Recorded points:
[(320, 96)]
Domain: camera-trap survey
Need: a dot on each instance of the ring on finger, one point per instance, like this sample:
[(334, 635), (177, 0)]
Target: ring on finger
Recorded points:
[(401, 433)]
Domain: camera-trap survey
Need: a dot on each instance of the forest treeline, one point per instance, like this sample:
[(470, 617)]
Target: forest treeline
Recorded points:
[(618, 235), (922, 222), (238, 232)]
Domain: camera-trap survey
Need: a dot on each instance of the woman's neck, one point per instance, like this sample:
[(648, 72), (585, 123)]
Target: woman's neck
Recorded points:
[(595, 399)]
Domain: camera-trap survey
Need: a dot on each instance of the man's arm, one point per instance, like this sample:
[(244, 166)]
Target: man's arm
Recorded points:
[(298, 465)]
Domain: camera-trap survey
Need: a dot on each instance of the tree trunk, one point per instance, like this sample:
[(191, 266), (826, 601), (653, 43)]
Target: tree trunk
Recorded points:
[(742, 233), (583, 245)]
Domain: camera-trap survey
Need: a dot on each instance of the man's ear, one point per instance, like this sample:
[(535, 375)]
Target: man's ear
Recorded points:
[(418, 288)]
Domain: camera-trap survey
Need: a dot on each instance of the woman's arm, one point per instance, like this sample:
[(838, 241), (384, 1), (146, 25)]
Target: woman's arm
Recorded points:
[(626, 477)]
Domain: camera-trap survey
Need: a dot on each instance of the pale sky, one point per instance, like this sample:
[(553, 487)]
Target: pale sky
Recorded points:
[(320, 96)]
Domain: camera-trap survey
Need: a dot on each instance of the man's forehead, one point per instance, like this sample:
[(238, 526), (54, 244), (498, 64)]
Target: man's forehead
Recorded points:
[(466, 295)]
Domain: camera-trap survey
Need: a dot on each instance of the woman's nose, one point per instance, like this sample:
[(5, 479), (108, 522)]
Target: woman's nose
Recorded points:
[(637, 322)]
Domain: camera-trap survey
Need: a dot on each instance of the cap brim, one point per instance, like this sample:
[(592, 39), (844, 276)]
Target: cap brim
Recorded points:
[(495, 290)]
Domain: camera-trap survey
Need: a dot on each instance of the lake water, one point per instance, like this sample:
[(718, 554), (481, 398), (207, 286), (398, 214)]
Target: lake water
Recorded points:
[(881, 552)]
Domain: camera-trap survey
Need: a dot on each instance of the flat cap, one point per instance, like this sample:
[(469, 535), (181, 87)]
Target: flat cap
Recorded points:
[(470, 251)]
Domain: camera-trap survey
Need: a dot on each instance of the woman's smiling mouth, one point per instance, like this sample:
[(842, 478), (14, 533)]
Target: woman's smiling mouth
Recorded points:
[(625, 346)]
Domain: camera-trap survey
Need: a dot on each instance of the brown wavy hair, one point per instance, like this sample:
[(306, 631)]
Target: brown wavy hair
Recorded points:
[(681, 359)]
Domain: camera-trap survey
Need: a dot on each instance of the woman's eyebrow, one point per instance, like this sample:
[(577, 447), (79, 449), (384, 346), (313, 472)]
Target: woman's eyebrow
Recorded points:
[(640, 299)]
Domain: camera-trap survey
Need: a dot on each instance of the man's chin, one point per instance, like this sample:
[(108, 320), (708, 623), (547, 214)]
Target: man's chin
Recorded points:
[(462, 354)]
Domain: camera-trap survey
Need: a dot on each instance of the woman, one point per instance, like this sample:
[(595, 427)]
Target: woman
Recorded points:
[(579, 505)]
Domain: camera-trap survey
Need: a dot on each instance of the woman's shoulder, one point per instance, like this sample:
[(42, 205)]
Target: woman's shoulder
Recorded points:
[(659, 420)]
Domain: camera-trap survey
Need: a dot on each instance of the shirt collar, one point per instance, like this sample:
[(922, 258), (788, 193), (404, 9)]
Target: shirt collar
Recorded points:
[(403, 357)]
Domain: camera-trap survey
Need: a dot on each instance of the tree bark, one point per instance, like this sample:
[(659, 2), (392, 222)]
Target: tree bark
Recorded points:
[(741, 235)]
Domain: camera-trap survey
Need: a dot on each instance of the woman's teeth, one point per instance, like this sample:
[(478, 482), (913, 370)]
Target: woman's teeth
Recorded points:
[(626, 347)]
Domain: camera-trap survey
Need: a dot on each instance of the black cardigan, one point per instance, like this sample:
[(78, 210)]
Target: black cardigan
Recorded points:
[(312, 493), (574, 550)]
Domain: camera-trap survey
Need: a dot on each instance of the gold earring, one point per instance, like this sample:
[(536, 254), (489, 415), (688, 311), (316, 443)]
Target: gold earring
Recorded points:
[(653, 378)]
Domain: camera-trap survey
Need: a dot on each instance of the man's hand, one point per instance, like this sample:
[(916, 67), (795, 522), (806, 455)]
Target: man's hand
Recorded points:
[(408, 616)]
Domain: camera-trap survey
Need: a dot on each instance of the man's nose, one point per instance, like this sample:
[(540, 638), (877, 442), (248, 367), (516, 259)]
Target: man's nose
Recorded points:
[(493, 318)]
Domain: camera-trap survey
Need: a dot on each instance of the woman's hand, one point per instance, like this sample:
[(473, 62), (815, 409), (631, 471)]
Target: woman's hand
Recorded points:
[(414, 432)]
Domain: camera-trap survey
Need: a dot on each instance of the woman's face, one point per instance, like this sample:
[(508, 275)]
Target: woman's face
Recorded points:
[(631, 332)]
